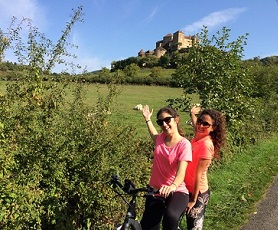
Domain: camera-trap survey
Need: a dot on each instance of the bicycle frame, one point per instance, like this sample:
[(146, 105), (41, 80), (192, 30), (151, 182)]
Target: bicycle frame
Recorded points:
[(131, 212), (129, 188), (130, 221)]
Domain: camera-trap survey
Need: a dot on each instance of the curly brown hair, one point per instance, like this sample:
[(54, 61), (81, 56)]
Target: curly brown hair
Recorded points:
[(218, 134)]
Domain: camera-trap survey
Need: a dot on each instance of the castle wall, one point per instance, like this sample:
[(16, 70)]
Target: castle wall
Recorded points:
[(171, 42)]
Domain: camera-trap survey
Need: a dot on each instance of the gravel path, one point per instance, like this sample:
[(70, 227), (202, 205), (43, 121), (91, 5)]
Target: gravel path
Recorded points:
[(266, 216)]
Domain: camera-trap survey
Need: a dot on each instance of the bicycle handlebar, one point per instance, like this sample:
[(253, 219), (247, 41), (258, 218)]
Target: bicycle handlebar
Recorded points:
[(129, 187), (115, 180)]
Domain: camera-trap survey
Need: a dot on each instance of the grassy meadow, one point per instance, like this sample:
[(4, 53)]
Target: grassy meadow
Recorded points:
[(129, 96), (132, 95)]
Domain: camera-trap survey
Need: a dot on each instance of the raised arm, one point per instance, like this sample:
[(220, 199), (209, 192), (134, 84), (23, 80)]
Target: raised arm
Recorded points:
[(147, 116), (193, 112)]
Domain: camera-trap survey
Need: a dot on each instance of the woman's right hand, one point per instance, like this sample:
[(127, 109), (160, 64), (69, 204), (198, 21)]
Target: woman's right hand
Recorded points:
[(165, 190), (147, 113), (196, 109)]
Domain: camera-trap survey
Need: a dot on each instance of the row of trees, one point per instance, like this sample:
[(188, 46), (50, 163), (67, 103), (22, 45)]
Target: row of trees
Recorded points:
[(261, 71), (56, 156), (169, 60)]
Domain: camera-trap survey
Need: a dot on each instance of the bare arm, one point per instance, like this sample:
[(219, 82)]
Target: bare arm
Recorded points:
[(180, 173), (194, 110), (147, 115), (166, 190), (202, 166)]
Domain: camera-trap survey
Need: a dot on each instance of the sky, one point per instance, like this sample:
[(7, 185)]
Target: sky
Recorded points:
[(114, 30)]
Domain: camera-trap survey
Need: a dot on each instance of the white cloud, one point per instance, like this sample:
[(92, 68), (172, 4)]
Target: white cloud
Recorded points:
[(21, 9), (214, 20), (152, 14), (94, 63), (83, 59)]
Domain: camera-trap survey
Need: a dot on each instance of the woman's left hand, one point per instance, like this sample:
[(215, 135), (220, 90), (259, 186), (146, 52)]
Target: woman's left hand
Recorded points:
[(190, 205)]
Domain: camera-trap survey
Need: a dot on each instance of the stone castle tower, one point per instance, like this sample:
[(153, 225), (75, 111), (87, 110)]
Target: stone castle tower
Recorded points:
[(170, 42)]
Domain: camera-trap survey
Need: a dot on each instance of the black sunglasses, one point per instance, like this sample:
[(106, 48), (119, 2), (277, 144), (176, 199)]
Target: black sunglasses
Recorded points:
[(203, 123), (167, 120)]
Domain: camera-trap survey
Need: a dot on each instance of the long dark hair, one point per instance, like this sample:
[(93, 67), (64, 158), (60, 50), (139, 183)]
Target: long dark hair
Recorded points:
[(170, 110), (218, 134)]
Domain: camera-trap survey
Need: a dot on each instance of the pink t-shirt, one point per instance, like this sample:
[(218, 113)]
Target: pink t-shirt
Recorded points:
[(201, 149), (166, 161)]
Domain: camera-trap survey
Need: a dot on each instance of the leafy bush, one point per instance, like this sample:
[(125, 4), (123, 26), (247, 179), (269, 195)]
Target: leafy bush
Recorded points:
[(57, 157)]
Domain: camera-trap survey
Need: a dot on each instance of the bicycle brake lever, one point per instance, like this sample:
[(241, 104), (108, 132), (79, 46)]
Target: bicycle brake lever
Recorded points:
[(128, 186), (152, 190)]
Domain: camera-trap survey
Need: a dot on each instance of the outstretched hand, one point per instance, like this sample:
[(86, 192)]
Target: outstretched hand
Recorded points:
[(147, 113)]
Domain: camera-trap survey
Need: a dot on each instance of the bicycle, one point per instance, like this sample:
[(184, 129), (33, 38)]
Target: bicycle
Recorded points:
[(130, 221)]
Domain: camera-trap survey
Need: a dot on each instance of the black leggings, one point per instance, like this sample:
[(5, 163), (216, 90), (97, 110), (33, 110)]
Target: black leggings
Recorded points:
[(171, 210)]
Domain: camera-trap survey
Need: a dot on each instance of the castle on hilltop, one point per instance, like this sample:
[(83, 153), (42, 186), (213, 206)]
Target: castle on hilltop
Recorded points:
[(170, 42)]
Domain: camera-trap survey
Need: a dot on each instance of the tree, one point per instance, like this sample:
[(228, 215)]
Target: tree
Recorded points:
[(214, 71), (4, 44), (164, 61), (131, 70), (38, 51)]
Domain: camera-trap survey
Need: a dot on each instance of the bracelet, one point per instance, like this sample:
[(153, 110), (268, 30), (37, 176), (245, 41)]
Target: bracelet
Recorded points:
[(148, 121)]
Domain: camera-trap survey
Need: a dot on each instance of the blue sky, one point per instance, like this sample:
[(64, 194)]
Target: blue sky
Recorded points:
[(117, 29)]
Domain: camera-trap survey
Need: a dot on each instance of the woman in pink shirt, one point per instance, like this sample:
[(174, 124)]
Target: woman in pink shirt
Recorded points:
[(171, 156), (210, 132)]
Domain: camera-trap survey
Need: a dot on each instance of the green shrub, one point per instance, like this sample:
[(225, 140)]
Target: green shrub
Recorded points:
[(57, 155), (57, 158)]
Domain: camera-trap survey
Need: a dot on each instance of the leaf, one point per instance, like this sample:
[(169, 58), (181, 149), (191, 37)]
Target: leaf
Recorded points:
[(243, 198)]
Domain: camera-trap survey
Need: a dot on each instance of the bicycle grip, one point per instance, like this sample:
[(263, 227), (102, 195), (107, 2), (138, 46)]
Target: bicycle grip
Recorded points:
[(115, 180)]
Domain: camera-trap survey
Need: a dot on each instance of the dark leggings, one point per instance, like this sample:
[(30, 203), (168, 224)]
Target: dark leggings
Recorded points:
[(170, 210), (195, 219)]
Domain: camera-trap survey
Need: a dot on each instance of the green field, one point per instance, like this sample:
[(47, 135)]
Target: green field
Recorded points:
[(122, 109), (130, 96)]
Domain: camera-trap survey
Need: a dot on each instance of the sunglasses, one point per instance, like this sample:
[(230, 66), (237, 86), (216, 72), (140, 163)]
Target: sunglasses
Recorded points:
[(167, 120), (203, 123)]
